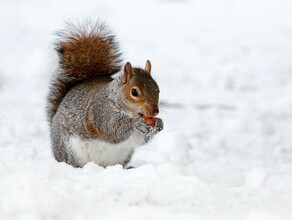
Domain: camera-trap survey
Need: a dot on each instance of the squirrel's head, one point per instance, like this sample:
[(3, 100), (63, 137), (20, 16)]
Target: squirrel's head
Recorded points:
[(141, 92)]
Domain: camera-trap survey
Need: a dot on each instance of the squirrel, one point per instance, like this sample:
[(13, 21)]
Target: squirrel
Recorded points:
[(94, 116)]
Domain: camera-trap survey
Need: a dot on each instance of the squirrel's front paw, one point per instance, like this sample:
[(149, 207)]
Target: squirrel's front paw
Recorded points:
[(148, 129), (158, 125)]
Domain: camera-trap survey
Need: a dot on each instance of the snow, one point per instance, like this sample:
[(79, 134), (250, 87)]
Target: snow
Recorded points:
[(224, 68), (255, 177)]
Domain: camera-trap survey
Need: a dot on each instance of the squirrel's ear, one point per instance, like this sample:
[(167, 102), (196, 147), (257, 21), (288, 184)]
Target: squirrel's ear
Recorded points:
[(128, 73), (148, 67)]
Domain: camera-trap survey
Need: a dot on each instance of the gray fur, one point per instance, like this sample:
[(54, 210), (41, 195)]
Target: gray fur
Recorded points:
[(93, 117), (101, 102)]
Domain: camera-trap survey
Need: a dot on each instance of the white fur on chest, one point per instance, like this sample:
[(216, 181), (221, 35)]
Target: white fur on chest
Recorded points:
[(104, 153)]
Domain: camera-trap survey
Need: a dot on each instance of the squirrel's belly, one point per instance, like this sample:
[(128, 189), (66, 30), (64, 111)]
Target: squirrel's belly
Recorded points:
[(101, 152)]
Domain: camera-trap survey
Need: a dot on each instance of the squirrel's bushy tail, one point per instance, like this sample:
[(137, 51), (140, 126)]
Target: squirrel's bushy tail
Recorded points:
[(85, 51)]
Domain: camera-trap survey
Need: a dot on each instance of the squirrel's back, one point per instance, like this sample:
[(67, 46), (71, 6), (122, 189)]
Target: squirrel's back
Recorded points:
[(85, 51)]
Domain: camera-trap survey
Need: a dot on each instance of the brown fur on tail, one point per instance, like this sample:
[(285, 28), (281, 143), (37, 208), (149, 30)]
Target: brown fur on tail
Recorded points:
[(85, 51)]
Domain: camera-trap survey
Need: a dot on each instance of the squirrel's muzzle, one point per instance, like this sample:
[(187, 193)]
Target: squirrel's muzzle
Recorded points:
[(151, 111)]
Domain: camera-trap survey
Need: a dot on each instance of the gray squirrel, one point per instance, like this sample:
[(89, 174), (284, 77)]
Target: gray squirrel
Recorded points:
[(94, 116)]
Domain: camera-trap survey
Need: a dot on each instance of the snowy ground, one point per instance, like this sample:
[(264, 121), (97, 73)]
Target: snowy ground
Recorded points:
[(226, 152)]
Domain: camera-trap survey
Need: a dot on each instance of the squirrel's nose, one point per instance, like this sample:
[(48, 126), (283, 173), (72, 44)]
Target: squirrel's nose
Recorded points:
[(155, 109), (151, 110)]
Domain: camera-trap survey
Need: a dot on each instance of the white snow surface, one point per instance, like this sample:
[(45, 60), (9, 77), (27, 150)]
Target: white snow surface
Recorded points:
[(225, 68)]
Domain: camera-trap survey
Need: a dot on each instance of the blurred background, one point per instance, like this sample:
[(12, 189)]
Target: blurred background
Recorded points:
[(224, 68)]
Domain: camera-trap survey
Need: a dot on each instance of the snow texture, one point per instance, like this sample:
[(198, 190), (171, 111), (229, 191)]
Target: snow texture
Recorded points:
[(224, 68)]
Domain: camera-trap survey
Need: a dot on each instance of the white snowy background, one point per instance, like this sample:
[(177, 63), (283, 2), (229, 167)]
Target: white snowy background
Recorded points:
[(224, 68)]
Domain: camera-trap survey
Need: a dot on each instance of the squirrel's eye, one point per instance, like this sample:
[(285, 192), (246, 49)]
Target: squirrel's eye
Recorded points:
[(134, 92)]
